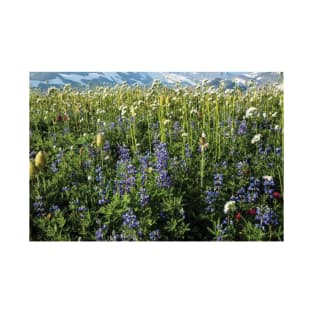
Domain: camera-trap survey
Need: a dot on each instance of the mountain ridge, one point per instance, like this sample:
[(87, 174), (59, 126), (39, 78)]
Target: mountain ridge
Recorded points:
[(44, 80)]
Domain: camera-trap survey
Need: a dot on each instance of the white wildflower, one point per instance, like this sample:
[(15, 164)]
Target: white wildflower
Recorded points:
[(266, 177), (89, 178), (264, 114), (256, 138), (229, 206), (184, 134), (251, 111), (274, 114), (276, 127), (166, 122)]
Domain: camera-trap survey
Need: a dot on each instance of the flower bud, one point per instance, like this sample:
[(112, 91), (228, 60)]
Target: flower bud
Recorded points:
[(99, 140), (40, 159)]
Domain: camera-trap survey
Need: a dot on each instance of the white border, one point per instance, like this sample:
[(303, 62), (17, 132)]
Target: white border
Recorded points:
[(155, 36)]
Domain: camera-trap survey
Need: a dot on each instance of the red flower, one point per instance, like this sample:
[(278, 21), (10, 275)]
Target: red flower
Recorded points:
[(252, 211), (276, 195), (238, 216), (59, 118)]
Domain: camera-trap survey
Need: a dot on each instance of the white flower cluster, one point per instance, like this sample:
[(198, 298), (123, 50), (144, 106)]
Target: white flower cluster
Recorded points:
[(229, 206), (256, 138), (252, 111)]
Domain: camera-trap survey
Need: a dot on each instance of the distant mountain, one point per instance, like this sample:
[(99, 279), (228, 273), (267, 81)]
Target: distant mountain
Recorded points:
[(44, 80)]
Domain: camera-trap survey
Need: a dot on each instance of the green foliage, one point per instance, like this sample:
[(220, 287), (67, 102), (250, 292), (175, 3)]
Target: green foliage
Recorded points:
[(99, 195)]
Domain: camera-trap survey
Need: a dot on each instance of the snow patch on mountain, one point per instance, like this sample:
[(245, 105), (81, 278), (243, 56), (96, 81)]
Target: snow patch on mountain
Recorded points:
[(174, 78)]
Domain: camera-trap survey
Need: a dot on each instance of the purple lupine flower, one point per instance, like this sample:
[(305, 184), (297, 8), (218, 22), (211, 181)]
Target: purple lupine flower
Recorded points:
[(218, 181), (65, 188), (143, 160), (242, 194), (278, 151), (253, 189), (91, 152), (211, 197), (269, 187), (99, 176), (106, 146), (176, 127), (82, 209), (120, 121), (53, 167), (102, 201), (126, 172), (99, 235), (161, 165), (155, 235), (54, 208), (130, 219), (242, 127), (144, 197), (265, 216), (187, 151), (39, 207), (32, 154), (234, 198), (124, 153), (239, 167), (222, 228)]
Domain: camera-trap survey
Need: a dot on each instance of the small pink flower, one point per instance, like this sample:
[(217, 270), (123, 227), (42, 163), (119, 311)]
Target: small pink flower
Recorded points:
[(59, 118), (237, 216), (276, 195), (252, 211)]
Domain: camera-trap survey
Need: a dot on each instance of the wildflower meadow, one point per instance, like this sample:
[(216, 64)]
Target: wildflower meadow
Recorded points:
[(156, 163)]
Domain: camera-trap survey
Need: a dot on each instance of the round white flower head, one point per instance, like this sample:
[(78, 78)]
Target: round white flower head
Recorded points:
[(184, 134), (251, 111), (203, 135), (256, 138), (269, 178), (229, 206), (276, 127)]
